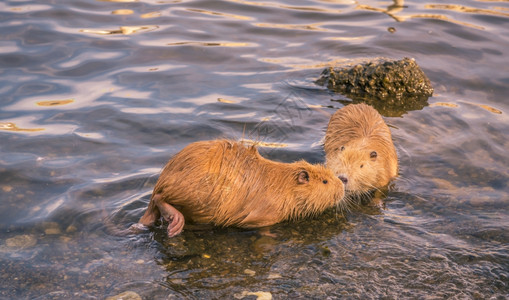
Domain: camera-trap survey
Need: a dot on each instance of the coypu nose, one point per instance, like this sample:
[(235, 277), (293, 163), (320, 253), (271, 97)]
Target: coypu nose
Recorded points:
[(343, 178)]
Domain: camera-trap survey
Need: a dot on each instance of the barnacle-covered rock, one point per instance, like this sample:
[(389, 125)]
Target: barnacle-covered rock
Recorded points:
[(398, 85)]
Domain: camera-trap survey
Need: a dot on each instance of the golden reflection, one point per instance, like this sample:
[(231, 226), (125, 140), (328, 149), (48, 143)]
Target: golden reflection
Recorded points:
[(348, 38), (447, 19), (445, 104), (222, 100), (501, 8), (250, 3), (491, 109), (31, 7), (126, 30), (154, 14), (339, 1), (303, 8), (263, 144), (466, 9), (290, 63), (313, 27), (316, 106), (122, 12), (488, 108), (213, 13), (391, 10), (13, 127), (399, 5), (54, 102), (90, 135), (122, 1), (211, 44), (271, 60), (332, 63), (318, 65), (483, 106)]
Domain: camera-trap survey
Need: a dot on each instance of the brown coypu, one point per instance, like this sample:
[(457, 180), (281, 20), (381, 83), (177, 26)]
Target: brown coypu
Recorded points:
[(359, 149), (226, 183)]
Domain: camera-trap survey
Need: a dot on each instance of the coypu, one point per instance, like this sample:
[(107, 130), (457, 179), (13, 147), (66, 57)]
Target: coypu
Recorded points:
[(359, 149), (226, 183)]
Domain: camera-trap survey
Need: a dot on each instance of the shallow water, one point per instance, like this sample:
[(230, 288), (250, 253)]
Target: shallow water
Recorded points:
[(97, 95)]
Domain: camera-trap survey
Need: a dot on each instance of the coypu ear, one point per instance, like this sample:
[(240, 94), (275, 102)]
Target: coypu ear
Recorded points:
[(303, 177)]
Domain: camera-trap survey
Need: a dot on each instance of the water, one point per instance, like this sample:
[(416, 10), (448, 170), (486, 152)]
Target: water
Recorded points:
[(97, 95)]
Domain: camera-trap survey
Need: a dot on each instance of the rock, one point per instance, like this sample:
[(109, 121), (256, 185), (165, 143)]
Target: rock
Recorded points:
[(129, 295), (71, 229), (437, 257), (21, 241), (51, 228), (385, 84), (259, 295), (264, 244), (274, 276), (250, 272), (7, 188)]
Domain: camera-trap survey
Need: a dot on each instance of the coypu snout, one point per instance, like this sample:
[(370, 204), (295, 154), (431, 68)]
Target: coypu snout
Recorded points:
[(343, 178)]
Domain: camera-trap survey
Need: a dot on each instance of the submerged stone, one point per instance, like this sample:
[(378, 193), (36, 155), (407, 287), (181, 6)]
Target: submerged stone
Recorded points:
[(398, 85), (129, 295), (21, 241), (259, 295), (52, 228)]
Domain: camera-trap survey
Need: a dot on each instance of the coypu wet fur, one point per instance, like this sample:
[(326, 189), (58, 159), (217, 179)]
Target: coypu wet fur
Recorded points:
[(358, 147), (226, 183)]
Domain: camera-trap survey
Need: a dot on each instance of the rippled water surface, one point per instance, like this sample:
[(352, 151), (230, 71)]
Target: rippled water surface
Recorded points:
[(95, 96)]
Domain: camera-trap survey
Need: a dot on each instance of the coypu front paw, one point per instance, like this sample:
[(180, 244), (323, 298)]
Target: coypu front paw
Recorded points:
[(174, 217), (177, 223)]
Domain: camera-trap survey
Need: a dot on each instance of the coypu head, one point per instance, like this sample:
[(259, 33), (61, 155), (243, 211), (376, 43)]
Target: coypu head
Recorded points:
[(359, 149), (316, 187), (363, 166)]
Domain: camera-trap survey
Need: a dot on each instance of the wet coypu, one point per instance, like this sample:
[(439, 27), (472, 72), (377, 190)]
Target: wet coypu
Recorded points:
[(226, 183), (359, 149)]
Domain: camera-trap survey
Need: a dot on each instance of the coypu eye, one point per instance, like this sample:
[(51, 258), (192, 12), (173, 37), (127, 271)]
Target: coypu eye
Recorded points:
[(373, 155), (325, 182), (342, 148)]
